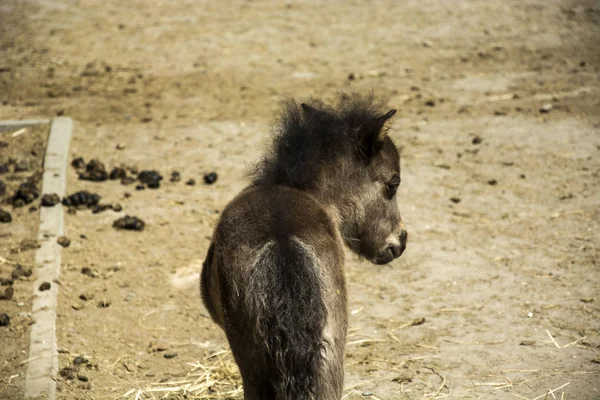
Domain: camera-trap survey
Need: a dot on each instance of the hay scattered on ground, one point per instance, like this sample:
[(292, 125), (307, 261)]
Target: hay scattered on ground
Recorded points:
[(215, 377)]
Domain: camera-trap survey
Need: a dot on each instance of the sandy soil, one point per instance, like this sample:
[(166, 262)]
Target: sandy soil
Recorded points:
[(21, 159), (499, 126)]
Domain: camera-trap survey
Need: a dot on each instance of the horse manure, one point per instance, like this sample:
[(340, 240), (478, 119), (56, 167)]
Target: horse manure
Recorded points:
[(4, 319), (92, 273), (6, 281), (103, 207), (63, 241), (21, 166), (82, 198), (98, 208), (117, 173), (50, 200), (150, 178), (129, 223), (94, 171), (27, 244), (78, 163), (68, 373), (44, 286), (128, 180), (80, 360), (19, 271), (175, 176), (5, 216), (210, 178), (26, 193), (8, 293)]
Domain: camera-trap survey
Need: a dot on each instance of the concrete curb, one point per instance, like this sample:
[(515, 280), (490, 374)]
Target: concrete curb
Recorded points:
[(16, 125), (42, 368)]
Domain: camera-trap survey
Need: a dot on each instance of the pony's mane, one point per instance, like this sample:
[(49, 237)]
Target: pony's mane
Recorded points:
[(308, 135)]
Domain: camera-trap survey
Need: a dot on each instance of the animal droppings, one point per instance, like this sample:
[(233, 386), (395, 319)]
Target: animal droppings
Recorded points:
[(175, 176), (5, 216), (50, 200), (82, 198), (118, 173), (78, 163), (150, 178), (94, 171), (26, 194), (210, 178), (63, 241), (4, 319), (129, 223)]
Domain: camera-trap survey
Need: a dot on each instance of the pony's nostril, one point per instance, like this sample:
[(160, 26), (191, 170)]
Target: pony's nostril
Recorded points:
[(403, 237), (396, 251)]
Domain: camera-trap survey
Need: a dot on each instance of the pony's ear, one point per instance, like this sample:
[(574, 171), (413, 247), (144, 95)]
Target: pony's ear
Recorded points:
[(371, 133), (307, 109)]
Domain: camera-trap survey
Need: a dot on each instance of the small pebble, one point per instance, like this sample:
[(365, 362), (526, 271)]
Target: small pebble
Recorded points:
[(170, 355), (82, 378), (492, 182), (44, 286), (190, 182), (430, 103), (210, 178), (367, 394), (455, 200), (527, 343), (92, 273), (4, 319), (85, 297), (477, 140), (63, 241), (120, 146), (546, 108), (104, 304)]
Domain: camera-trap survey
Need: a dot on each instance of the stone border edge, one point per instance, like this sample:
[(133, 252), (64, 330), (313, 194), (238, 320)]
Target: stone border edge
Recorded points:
[(42, 368)]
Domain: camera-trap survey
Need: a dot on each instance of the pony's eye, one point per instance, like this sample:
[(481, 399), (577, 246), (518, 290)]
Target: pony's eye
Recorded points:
[(392, 186)]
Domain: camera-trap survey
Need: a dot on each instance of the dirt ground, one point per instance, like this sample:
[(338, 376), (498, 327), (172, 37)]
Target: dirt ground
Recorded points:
[(21, 160), (497, 295)]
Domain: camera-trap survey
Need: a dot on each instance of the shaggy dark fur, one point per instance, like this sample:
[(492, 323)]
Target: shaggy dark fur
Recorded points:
[(273, 277), (311, 134)]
